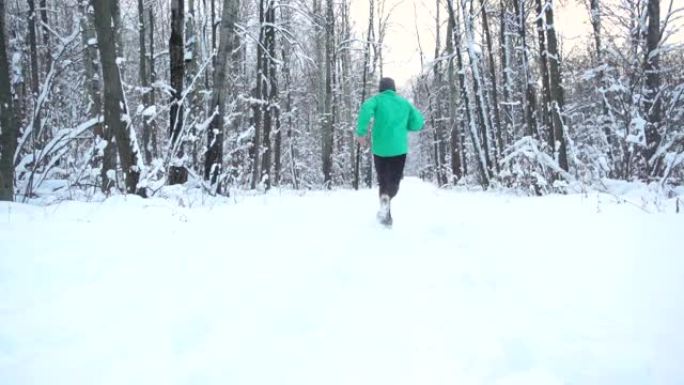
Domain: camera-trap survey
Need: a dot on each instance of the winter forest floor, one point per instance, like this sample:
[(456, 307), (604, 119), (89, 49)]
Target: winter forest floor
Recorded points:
[(289, 288)]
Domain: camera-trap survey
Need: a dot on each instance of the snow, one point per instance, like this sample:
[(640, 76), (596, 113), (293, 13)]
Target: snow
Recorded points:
[(303, 288), (150, 112)]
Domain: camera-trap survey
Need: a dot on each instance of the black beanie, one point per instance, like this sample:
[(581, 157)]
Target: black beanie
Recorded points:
[(387, 84)]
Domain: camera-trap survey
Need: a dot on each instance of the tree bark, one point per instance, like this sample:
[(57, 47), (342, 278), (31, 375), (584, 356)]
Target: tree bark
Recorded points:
[(260, 99), (496, 113), (532, 129), (118, 32), (544, 68), (558, 100), (269, 93), (177, 172), (605, 120), (144, 83), (153, 80), (35, 76), (478, 84), (328, 113), (506, 49), (107, 156), (8, 121), (286, 47), (364, 88), (595, 9), (116, 117), (90, 57), (46, 34), (438, 118), (458, 164), (653, 100), (474, 136), (214, 158)]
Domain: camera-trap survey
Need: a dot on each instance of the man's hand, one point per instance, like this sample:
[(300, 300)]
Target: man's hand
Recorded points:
[(363, 141)]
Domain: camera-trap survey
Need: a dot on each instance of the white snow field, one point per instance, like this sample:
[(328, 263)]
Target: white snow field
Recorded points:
[(290, 288)]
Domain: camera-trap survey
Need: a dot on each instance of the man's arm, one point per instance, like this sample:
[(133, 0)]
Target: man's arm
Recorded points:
[(416, 120), (365, 114)]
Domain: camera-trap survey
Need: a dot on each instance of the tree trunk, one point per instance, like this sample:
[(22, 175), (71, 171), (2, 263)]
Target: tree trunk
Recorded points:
[(269, 93), (532, 128), (328, 116), (94, 85), (458, 165), (214, 158), (177, 172), (364, 88), (605, 120), (46, 34), (192, 67), (260, 99), (118, 32), (496, 114), (145, 84), (35, 77), (478, 84), (213, 30), (116, 117), (287, 76), (546, 84), (153, 79), (557, 98), (438, 118), (652, 100), (93, 68), (595, 9), (474, 136), (8, 122), (506, 50), (90, 57)]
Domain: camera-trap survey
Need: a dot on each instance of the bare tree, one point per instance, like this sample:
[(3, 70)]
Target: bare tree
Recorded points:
[(364, 86), (557, 97), (46, 34), (328, 113), (116, 116), (457, 126), (506, 69), (530, 99), (495, 111), (437, 118), (481, 106), (35, 76), (472, 128), (546, 83), (148, 111), (177, 172), (214, 158), (8, 123), (652, 99), (269, 92)]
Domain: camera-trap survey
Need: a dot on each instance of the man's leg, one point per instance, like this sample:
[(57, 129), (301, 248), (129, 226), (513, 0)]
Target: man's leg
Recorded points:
[(382, 168), (381, 171), (395, 173)]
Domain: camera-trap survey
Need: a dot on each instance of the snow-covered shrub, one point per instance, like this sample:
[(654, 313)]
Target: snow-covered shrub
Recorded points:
[(528, 168)]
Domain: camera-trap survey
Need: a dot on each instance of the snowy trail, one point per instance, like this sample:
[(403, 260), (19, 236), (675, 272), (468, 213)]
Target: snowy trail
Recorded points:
[(467, 288)]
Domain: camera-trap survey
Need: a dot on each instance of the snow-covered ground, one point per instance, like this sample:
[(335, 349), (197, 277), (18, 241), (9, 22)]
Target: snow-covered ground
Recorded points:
[(297, 289)]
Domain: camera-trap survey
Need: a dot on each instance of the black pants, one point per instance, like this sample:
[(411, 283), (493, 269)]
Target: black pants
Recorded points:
[(390, 171)]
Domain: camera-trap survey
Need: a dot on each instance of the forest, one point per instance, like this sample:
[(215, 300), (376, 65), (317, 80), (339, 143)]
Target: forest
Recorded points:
[(128, 96)]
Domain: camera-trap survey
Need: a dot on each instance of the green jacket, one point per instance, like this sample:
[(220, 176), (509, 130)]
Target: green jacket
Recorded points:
[(394, 118)]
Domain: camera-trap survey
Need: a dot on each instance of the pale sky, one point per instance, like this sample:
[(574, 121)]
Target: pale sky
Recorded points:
[(402, 59)]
